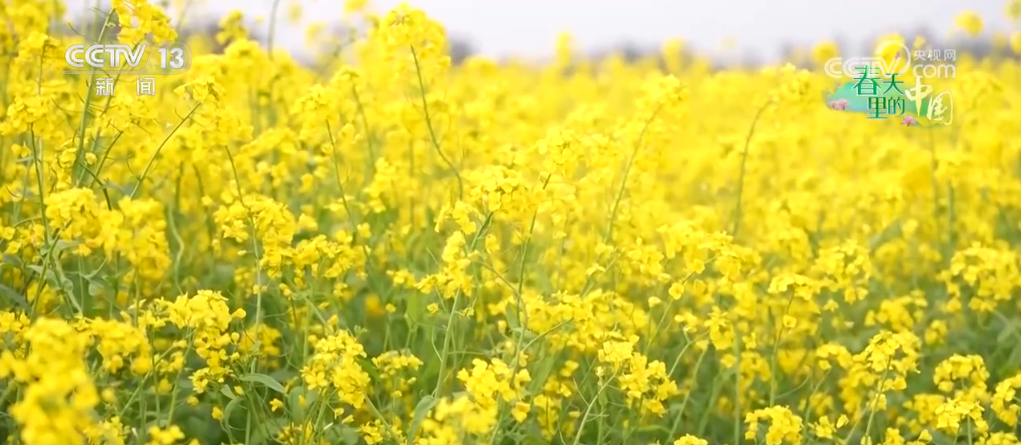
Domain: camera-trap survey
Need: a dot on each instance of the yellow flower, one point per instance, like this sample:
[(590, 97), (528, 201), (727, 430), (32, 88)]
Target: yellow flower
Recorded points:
[(784, 425), (688, 439), (1014, 9), (825, 51), (352, 6), (520, 411), (276, 405), (970, 22), (789, 322), (168, 436)]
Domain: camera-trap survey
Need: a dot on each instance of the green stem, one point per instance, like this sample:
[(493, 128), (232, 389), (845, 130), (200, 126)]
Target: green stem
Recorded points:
[(432, 132), (739, 209), (155, 154)]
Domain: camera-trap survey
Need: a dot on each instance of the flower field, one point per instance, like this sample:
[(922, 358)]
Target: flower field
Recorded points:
[(392, 249)]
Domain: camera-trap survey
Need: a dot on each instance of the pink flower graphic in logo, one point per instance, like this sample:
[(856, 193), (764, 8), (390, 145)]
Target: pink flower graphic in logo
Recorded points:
[(839, 104), (909, 121)]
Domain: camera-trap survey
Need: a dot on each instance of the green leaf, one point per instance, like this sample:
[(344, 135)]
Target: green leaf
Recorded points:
[(62, 245), (348, 435), (50, 277), (421, 410), (283, 375), (369, 368), (92, 275), (13, 296), (35, 268), (413, 310), (1007, 332), (10, 259), (265, 380), (654, 429), (95, 289), (225, 421), (295, 408), (1015, 356), (67, 285), (511, 314), (270, 430), (226, 391)]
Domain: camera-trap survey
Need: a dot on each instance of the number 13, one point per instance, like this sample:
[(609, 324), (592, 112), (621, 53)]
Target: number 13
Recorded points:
[(178, 58)]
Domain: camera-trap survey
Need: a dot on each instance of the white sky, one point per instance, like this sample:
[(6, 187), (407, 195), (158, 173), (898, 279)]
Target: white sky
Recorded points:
[(529, 27)]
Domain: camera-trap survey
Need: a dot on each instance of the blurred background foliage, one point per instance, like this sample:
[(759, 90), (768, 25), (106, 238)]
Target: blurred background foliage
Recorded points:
[(205, 29)]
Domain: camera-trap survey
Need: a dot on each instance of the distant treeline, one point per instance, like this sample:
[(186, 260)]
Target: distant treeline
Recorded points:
[(462, 48)]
